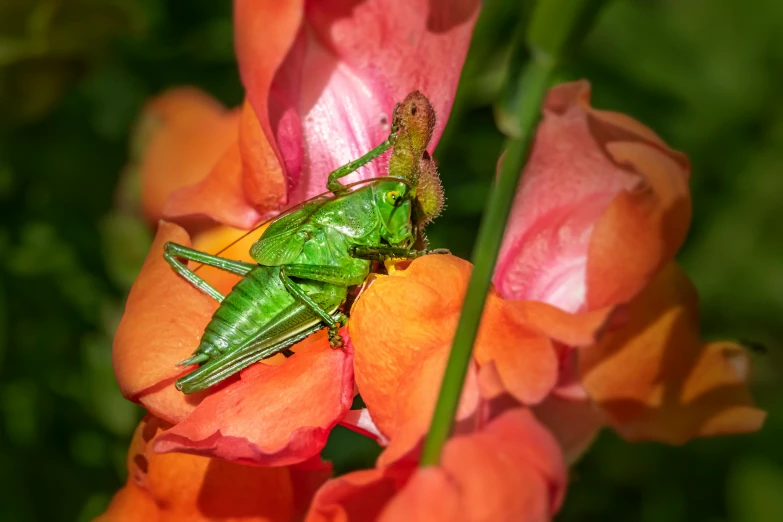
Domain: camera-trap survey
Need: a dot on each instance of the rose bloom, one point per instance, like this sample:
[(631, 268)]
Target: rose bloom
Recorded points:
[(590, 322)]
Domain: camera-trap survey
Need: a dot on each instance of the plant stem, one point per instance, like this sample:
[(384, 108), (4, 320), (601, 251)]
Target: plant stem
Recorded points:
[(550, 35)]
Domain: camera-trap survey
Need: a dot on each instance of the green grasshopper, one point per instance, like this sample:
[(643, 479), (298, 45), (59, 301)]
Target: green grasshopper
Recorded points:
[(309, 257)]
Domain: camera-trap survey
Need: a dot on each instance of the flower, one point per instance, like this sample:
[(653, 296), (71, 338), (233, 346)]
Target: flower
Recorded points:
[(186, 487), (320, 86), (511, 469), (601, 211), (321, 80), (402, 327), (572, 329), (181, 134)]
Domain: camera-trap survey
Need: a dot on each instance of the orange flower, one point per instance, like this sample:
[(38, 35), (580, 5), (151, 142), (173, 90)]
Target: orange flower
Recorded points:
[(246, 419), (316, 98), (186, 487), (402, 327), (657, 380), (182, 134), (602, 207), (509, 470)]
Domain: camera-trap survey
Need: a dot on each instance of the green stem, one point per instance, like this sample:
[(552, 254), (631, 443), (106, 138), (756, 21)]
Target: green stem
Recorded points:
[(550, 35)]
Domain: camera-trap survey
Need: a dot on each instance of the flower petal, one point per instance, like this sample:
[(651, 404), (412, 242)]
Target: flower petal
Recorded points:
[(509, 470), (357, 496), (642, 229), (415, 501), (525, 361), (270, 417), (357, 67), (398, 321), (402, 327), (656, 380), (187, 487), (579, 170), (361, 422), (574, 423), (162, 324), (184, 133), (416, 397)]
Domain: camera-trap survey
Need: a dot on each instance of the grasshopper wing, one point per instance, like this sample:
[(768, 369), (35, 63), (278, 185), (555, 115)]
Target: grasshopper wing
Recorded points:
[(283, 241)]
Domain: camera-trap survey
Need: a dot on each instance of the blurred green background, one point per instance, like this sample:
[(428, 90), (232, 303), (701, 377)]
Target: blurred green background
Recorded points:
[(73, 76)]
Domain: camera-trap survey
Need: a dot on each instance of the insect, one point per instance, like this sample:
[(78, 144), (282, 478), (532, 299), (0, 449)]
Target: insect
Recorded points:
[(309, 257)]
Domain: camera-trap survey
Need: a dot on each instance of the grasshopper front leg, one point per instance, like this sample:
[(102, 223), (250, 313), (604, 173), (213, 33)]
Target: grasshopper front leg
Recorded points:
[(337, 188), (172, 252), (382, 253)]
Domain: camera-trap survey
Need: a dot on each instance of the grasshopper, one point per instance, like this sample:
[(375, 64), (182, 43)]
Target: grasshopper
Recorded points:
[(309, 257)]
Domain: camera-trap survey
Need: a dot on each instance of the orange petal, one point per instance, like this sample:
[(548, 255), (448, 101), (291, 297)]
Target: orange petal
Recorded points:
[(185, 133), (246, 184), (131, 504), (525, 361), (263, 179), (187, 487), (399, 320), (570, 329), (162, 324), (602, 205), (655, 378), (270, 417), (417, 394), (416, 500), (509, 470), (402, 328), (643, 227), (219, 196)]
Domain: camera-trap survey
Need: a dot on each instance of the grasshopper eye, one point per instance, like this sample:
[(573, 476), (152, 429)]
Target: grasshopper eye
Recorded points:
[(393, 198)]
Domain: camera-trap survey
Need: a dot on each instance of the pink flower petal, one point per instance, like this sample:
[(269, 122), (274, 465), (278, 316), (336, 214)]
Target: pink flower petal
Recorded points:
[(331, 98), (579, 177)]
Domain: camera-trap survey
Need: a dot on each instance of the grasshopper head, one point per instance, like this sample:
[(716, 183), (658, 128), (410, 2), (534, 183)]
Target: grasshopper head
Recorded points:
[(393, 201)]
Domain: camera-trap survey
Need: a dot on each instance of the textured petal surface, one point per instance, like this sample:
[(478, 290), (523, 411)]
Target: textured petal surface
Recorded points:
[(162, 324), (398, 321), (184, 132), (510, 470), (560, 245), (188, 487), (656, 379), (331, 98), (273, 415)]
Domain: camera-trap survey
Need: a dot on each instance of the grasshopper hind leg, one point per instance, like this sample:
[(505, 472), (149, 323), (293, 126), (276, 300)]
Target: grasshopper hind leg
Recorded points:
[(230, 363)]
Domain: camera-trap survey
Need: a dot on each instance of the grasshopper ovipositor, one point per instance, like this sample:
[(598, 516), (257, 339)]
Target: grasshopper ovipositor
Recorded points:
[(309, 257)]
